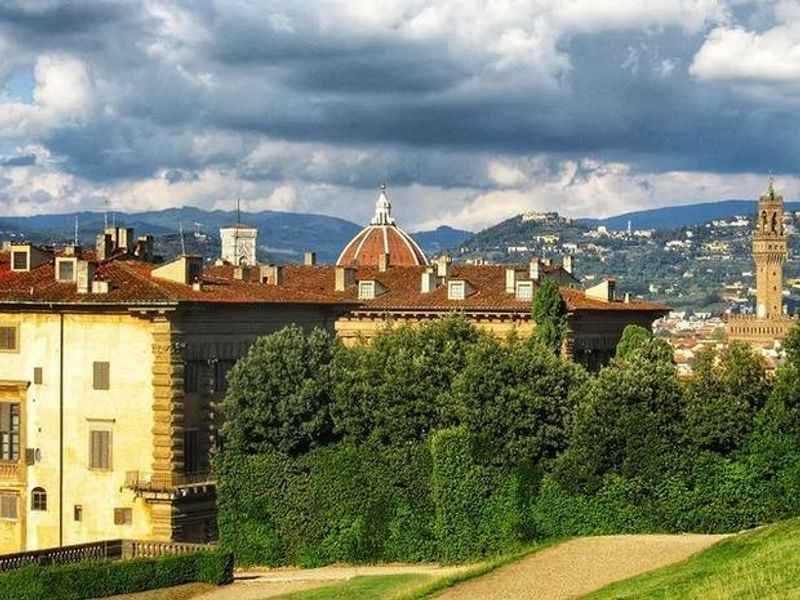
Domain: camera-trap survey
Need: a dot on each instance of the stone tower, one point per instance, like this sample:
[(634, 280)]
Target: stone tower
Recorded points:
[(769, 254)]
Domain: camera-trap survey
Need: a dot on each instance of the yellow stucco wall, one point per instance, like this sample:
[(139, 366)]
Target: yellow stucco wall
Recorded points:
[(125, 409)]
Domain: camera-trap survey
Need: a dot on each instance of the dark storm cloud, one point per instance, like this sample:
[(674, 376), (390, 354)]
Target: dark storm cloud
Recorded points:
[(627, 96), (25, 160)]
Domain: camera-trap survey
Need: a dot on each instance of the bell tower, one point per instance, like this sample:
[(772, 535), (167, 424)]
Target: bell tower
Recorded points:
[(769, 254)]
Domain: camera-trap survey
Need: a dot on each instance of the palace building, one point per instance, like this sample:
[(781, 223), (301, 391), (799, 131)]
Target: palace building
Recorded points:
[(113, 364), (770, 249)]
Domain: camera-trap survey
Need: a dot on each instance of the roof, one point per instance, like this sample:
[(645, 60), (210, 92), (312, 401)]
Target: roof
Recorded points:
[(132, 283), (381, 237), (366, 248)]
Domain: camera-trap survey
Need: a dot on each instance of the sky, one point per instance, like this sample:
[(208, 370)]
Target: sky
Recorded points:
[(471, 111)]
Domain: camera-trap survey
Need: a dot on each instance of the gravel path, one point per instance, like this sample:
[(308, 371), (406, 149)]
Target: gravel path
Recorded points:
[(580, 566), (257, 585)]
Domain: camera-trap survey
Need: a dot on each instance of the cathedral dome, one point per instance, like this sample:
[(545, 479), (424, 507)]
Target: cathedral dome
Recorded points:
[(382, 236)]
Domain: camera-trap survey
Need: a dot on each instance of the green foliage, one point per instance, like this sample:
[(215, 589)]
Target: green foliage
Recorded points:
[(549, 313), (108, 578), (723, 396), (633, 338), (278, 397), (628, 422), (396, 390), (517, 399)]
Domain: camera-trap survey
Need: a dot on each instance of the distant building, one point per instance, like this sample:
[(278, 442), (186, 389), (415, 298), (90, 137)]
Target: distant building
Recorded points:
[(769, 254), (239, 243)]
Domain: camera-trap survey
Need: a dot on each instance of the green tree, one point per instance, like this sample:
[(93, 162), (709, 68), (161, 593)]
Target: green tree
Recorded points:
[(633, 338), (629, 421), (517, 399), (549, 313), (396, 389), (724, 394), (278, 395)]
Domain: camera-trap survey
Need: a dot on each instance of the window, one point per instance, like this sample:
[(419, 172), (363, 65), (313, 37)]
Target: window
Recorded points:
[(19, 260), (123, 516), (455, 290), (100, 450), (37, 375), (77, 512), (9, 338), (8, 506), (191, 451), (66, 270), (38, 499), (9, 431), (366, 290), (524, 290), (102, 376)]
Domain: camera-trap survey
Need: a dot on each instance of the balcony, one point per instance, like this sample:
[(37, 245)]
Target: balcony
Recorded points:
[(10, 472), (162, 486)]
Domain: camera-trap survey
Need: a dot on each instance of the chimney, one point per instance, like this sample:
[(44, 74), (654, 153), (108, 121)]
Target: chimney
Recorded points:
[(568, 263), (603, 291), (443, 266), (511, 280), (546, 262), (429, 280), (310, 259), (535, 269), (271, 274), (627, 298), (125, 239), (345, 278), (145, 248), (383, 262), (100, 287), (104, 246), (85, 272), (72, 250)]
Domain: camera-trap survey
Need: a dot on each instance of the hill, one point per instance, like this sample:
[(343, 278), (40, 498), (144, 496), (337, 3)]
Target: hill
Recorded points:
[(670, 217), (759, 564), (283, 236)]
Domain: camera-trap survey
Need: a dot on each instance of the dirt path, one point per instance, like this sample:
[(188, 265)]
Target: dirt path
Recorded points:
[(580, 566), (257, 585)]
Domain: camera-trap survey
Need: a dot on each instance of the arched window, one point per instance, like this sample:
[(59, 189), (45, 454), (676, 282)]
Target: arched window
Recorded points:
[(38, 499), (774, 223), (764, 221)]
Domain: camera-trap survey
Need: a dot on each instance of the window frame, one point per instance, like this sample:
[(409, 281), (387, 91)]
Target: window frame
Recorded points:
[(4, 496), (26, 254), (110, 455), (456, 284), (11, 440), (15, 328), (60, 261), (126, 514), (38, 499), (97, 375), (77, 513)]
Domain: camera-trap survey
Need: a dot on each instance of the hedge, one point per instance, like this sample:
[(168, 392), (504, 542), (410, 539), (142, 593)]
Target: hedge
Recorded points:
[(368, 503), (106, 578)]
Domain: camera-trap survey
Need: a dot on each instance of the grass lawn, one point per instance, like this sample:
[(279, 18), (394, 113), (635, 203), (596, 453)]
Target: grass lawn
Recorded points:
[(411, 586), (762, 564), (366, 588)]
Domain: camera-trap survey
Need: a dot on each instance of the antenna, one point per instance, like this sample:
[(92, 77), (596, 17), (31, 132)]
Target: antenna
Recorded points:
[(76, 230), (105, 216), (183, 243)]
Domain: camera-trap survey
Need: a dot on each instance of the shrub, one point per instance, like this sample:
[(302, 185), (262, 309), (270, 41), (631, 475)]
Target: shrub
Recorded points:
[(278, 396), (107, 578)]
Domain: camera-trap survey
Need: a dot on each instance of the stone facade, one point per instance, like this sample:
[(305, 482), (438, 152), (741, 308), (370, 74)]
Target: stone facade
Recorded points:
[(770, 250)]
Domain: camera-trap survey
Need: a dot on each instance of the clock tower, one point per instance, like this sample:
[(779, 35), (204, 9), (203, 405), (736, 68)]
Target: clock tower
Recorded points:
[(769, 254)]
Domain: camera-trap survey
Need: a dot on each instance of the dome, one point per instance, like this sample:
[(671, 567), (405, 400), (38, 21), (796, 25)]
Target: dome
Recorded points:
[(382, 236)]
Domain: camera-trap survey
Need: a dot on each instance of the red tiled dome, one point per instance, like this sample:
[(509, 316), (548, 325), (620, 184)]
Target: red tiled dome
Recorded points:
[(382, 236)]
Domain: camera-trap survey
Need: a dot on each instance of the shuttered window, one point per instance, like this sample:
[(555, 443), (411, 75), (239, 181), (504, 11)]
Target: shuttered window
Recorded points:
[(102, 376), (8, 338), (8, 506), (123, 516), (38, 376), (100, 450), (20, 260), (9, 431)]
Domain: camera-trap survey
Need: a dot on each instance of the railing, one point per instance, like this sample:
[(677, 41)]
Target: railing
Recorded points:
[(105, 550), (9, 471), (167, 482)]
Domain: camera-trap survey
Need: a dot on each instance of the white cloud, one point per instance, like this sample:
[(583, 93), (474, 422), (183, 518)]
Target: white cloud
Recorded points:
[(505, 175), (737, 55)]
